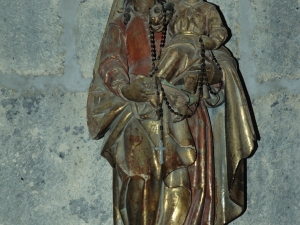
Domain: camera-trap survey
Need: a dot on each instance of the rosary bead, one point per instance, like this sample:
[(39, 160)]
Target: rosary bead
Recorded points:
[(154, 56), (176, 113)]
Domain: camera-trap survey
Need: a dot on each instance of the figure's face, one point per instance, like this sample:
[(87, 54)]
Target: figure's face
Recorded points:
[(143, 5), (156, 14)]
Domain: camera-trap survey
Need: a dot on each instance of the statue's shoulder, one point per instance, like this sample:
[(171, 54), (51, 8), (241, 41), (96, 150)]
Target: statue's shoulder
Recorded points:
[(118, 21), (202, 6), (206, 6)]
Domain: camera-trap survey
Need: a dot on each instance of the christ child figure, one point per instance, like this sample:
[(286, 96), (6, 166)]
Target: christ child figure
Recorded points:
[(180, 60)]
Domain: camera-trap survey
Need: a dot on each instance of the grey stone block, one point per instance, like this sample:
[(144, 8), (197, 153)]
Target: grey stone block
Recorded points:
[(276, 41), (50, 170), (30, 38)]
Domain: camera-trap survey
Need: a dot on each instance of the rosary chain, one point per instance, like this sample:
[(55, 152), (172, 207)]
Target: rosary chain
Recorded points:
[(202, 78)]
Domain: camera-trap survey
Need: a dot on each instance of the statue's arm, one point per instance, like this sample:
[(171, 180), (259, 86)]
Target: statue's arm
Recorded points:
[(113, 65), (217, 31)]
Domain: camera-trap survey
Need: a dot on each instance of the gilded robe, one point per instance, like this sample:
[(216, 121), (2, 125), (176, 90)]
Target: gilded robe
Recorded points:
[(201, 179)]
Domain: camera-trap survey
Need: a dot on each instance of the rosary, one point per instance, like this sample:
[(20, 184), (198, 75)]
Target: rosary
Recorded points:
[(202, 79)]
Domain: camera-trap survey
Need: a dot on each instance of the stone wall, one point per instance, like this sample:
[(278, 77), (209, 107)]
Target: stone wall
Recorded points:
[(51, 171)]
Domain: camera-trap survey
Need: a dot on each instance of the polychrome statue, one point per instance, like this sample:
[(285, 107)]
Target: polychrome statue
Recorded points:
[(159, 68)]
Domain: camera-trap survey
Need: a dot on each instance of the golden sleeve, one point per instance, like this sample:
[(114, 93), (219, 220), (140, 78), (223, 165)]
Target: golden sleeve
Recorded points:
[(216, 29)]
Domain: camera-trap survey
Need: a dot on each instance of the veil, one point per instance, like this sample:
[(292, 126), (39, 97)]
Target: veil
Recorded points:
[(98, 117), (115, 11)]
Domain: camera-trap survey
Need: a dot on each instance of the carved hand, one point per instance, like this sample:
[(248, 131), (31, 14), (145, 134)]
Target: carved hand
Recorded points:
[(208, 42), (140, 90)]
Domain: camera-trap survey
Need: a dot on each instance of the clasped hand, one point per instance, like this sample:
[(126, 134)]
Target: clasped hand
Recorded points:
[(143, 89), (209, 43)]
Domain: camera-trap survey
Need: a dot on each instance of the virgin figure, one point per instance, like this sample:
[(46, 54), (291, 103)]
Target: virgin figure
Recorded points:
[(168, 103)]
